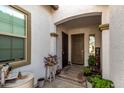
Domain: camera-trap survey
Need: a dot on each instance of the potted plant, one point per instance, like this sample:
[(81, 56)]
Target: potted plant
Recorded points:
[(87, 71), (92, 60), (41, 82), (92, 63)]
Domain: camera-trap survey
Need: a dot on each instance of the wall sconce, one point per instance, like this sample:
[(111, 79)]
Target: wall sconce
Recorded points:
[(103, 27), (53, 34)]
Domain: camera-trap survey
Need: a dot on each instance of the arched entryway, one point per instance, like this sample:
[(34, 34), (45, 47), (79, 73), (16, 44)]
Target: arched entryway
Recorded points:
[(85, 25)]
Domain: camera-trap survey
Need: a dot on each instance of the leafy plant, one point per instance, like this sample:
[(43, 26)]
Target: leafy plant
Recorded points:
[(92, 60), (98, 82), (97, 75), (102, 83), (93, 77), (87, 71)]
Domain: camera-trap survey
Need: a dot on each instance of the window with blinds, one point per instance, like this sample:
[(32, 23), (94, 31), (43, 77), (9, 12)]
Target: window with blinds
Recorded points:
[(12, 34)]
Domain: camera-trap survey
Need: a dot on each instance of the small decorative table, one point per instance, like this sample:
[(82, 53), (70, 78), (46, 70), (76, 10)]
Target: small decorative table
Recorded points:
[(51, 71)]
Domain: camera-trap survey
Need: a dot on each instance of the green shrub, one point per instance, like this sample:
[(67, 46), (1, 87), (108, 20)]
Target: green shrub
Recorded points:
[(92, 60), (98, 76), (93, 78), (102, 83), (87, 71), (98, 82)]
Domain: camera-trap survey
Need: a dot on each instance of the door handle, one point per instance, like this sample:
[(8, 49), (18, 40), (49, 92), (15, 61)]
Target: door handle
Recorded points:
[(82, 51)]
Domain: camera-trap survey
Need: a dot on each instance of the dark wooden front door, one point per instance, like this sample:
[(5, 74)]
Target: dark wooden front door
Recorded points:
[(64, 49), (77, 44)]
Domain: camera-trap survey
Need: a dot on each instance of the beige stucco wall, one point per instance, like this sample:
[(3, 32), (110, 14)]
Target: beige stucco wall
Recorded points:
[(117, 45), (106, 44), (71, 11)]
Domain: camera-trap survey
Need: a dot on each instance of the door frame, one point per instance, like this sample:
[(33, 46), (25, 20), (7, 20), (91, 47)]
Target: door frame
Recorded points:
[(83, 47)]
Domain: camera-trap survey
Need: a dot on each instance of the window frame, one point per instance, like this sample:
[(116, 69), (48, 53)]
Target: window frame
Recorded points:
[(27, 48)]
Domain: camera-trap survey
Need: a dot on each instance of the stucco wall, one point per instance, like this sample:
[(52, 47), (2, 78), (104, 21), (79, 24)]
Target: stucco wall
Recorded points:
[(106, 45), (117, 45), (68, 11), (41, 26)]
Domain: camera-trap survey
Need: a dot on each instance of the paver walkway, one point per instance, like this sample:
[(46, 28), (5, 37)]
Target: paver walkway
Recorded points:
[(70, 77)]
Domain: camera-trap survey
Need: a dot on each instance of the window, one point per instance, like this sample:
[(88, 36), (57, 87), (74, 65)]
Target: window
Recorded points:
[(14, 35), (92, 44)]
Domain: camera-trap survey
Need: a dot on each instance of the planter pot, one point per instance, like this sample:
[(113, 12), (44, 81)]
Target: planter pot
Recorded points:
[(41, 82), (89, 85)]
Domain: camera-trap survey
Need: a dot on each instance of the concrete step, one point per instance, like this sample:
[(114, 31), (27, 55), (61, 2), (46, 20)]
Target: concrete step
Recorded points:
[(71, 78), (72, 82)]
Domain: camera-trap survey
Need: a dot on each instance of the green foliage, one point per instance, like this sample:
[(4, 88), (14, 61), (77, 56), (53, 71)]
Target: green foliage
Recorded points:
[(98, 76), (92, 60), (93, 78), (87, 71), (98, 82), (102, 83)]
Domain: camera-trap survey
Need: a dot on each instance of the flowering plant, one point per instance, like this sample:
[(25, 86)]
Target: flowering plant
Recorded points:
[(50, 60)]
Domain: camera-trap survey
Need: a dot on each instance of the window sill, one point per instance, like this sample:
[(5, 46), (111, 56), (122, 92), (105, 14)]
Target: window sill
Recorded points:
[(16, 64)]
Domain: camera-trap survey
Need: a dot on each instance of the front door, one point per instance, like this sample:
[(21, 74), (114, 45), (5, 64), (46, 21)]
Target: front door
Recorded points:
[(64, 49), (77, 44)]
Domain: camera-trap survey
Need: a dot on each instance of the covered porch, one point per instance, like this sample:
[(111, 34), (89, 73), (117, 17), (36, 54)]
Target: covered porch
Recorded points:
[(78, 39)]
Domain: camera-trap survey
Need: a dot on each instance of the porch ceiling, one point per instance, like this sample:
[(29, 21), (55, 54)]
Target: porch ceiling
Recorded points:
[(83, 21)]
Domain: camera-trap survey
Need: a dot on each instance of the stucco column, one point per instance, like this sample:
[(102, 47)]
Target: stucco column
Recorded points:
[(53, 42), (105, 47), (53, 45)]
